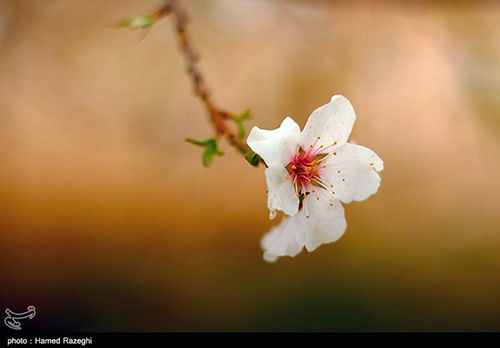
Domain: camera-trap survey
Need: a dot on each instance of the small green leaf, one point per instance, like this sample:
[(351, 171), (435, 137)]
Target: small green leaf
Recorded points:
[(211, 148), (238, 119), (244, 116), (241, 129), (137, 22), (200, 142), (208, 156), (252, 158)]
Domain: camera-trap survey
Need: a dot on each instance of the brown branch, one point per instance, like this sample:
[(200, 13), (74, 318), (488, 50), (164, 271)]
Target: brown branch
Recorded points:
[(217, 116)]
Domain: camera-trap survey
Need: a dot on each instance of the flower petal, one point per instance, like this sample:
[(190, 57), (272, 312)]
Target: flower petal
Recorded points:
[(331, 122), (285, 239), (326, 222), (281, 194), (275, 146), (352, 171)]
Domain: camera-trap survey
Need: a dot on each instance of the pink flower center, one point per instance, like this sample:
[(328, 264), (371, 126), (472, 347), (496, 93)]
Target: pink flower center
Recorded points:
[(307, 170), (304, 169)]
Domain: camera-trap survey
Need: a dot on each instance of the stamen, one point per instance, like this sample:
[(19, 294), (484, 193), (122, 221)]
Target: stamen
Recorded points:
[(314, 152), (304, 168), (322, 184), (320, 194), (321, 160), (328, 147), (305, 209)]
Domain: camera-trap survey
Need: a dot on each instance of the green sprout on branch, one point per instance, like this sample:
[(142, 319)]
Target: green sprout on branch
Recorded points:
[(211, 148)]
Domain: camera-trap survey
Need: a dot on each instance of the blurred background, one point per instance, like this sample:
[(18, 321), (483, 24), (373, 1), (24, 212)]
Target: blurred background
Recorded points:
[(109, 221)]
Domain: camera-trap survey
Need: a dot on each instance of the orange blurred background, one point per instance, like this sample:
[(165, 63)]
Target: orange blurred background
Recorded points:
[(109, 221)]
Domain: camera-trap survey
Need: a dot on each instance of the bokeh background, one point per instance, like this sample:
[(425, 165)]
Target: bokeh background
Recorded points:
[(109, 222)]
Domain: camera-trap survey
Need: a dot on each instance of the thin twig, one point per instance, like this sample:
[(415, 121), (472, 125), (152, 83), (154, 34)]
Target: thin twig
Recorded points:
[(218, 117)]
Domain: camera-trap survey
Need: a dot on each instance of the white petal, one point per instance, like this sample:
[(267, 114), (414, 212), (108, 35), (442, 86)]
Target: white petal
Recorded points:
[(281, 193), (331, 122), (285, 239), (275, 146), (326, 223), (353, 172)]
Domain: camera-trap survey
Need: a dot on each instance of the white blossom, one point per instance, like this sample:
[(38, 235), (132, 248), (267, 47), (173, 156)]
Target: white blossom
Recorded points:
[(309, 174)]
